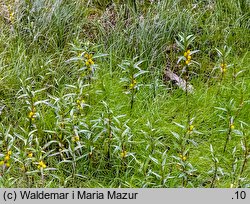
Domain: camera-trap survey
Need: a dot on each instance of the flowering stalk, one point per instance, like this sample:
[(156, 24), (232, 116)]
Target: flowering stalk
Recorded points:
[(132, 71), (223, 59), (184, 44)]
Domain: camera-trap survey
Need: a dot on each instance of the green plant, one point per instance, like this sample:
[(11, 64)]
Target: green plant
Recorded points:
[(132, 72)]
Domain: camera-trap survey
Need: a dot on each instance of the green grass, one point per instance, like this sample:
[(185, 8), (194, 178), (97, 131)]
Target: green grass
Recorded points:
[(101, 125)]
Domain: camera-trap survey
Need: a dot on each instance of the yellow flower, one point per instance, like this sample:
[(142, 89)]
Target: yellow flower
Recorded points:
[(187, 56), (86, 55), (7, 158), (123, 154), (132, 85), (31, 115), (9, 152), (1, 163), (91, 61), (87, 63), (41, 165), (223, 67), (191, 128), (12, 18), (79, 103), (232, 126), (75, 138), (187, 53), (183, 158), (30, 155), (7, 164)]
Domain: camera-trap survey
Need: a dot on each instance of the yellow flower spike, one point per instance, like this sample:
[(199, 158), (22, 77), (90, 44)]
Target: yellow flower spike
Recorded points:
[(188, 52), (41, 165), (189, 57), (185, 54), (9, 152), (1, 163), (8, 164)]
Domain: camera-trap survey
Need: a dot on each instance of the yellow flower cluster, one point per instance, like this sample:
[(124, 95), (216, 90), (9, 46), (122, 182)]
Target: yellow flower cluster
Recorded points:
[(89, 61), (79, 103), (31, 114), (187, 56), (223, 67), (75, 138), (41, 165), (123, 154), (6, 160), (183, 158), (132, 85)]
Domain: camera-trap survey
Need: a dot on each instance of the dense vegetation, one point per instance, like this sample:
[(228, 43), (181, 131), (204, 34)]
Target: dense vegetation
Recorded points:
[(84, 100)]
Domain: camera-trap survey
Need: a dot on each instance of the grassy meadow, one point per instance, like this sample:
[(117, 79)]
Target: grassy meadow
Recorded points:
[(85, 101)]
